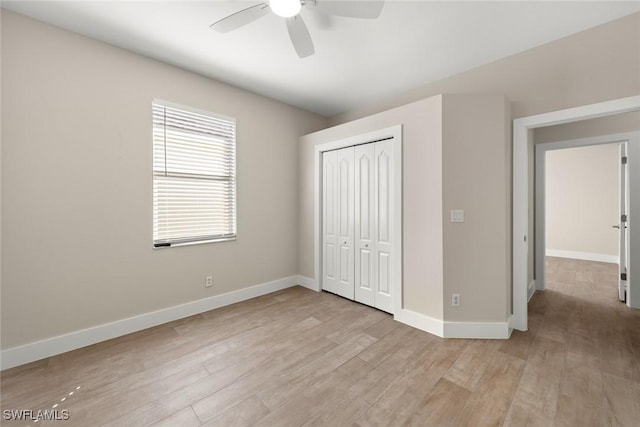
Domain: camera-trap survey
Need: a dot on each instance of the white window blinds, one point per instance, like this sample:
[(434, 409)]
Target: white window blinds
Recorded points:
[(194, 186)]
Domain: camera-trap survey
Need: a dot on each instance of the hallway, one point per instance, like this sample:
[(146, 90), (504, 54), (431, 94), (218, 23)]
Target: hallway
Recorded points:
[(591, 343)]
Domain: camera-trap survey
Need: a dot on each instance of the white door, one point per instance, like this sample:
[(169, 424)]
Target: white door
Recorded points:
[(338, 217), (365, 224), (384, 217), (345, 222), (330, 221), (622, 225), (359, 246)]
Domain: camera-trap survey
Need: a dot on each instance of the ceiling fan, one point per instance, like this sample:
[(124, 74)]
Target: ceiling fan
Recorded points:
[(290, 10)]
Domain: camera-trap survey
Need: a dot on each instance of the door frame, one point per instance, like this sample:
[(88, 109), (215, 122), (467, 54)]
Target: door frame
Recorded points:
[(394, 132), (540, 191), (522, 138), (623, 233)]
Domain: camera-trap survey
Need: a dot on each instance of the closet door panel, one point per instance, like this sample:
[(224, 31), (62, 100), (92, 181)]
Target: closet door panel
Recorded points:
[(346, 221), (364, 282), (384, 274), (364, 224), (384, 239), (329, 221)]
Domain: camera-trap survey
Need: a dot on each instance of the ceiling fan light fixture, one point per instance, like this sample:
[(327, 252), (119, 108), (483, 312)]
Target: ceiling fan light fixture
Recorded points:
[(285, 8)]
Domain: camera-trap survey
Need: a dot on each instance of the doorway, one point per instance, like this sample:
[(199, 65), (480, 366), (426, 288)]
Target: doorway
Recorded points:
[(580, 194), (523, 215)]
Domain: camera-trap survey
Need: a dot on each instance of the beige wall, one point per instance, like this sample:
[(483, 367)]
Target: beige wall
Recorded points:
[(445, 166), (422, 198), (595, 65), (76, 185), (582, 199), (476, 178), (618, 123)]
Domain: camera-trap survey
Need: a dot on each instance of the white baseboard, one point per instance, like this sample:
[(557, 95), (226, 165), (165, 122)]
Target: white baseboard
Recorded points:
[(484, 330), (531, 289), (31, 352), (308, 283), (420, 321), (586, 256)]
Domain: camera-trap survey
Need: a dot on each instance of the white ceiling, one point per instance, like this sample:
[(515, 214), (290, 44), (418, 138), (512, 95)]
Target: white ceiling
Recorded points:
[(356, 62)]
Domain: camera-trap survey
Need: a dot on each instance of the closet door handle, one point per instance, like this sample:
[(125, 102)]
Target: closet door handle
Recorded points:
[(366, 245)]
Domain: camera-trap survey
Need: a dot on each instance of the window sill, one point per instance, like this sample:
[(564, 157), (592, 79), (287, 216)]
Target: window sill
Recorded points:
[(199, 242)]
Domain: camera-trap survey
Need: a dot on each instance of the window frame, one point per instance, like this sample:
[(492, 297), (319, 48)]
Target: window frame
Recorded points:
[(187, 241)]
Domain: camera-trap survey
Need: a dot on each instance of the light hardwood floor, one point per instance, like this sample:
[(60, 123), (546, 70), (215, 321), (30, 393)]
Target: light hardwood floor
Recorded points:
[(297, 357)]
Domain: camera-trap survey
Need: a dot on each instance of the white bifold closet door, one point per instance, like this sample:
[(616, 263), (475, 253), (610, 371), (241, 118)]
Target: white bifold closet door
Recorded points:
[(337, 222), (358, 243)]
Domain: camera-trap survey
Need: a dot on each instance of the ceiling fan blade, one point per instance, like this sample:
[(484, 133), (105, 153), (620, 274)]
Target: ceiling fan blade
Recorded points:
[(366, 9), (300, 36), (238, 19)]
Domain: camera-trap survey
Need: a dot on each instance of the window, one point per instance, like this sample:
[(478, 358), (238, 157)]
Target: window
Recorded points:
[(194, 185)]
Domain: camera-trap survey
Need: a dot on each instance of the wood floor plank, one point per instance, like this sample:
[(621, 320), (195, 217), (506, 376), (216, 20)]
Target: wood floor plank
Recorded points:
[(620, 361), (573, 412), (358, 323), (553, 330), (582, 379), (441, 406), (375, 384), (253, 349), (125, 397), (538, 391), (623, 400), (221, 400), (488, 406), (519, 345), (245, 413), (470, 365), (321, 395), (385, 327), (520, 415), (582, 344), (347, 408), (298, 380), (184, 418), (385, 345), (549, 354)]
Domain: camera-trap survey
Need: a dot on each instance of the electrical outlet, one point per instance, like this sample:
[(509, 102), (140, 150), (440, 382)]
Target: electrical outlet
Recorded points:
[(208, 282), (455, 300), (457, 215)]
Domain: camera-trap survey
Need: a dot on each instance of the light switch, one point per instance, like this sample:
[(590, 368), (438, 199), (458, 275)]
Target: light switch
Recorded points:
[(457, 215)]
